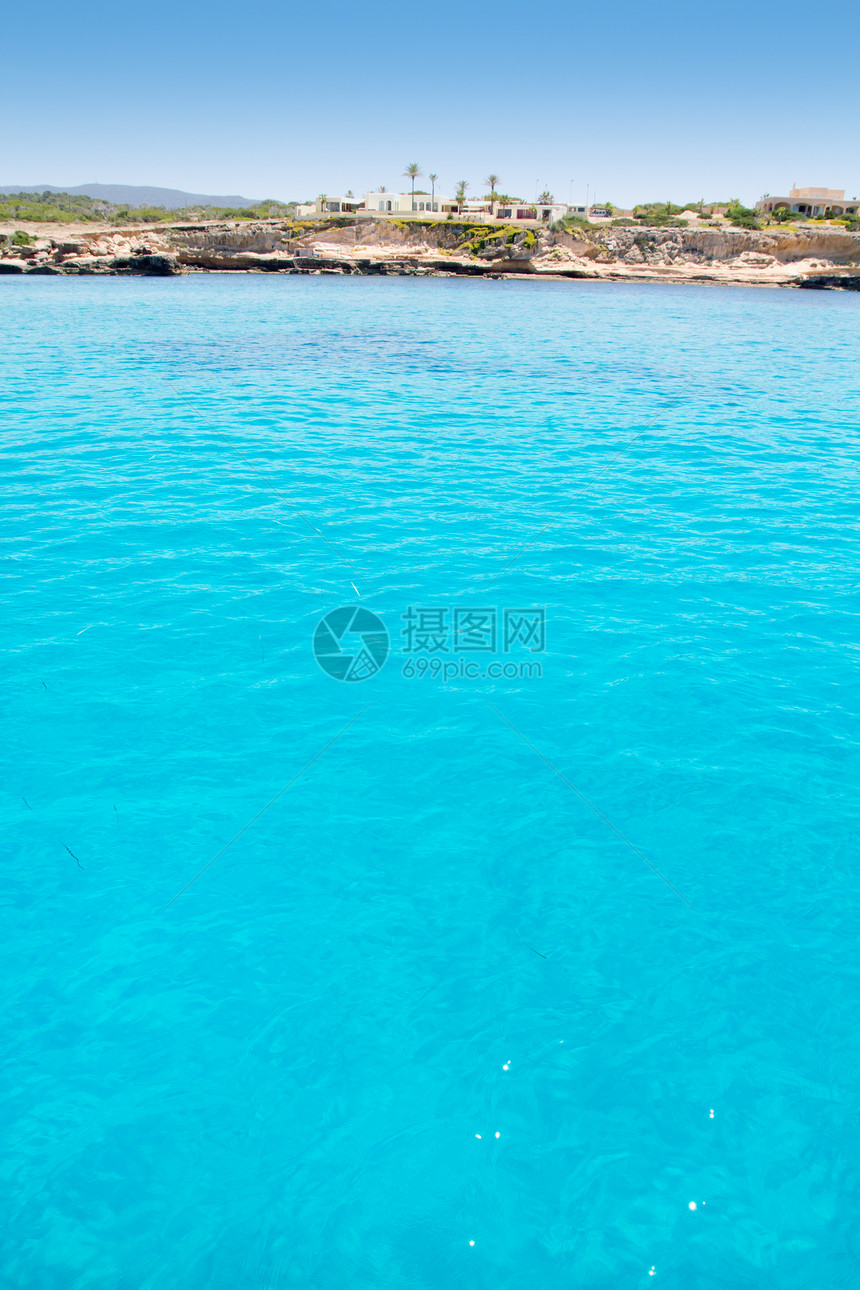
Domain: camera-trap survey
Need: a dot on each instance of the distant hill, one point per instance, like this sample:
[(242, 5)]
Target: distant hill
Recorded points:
[(133, 195)]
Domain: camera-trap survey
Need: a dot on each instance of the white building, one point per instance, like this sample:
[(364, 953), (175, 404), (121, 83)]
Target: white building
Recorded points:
[(382, 203), (811, 202), (531, 212), (325, 205), (405, 204)]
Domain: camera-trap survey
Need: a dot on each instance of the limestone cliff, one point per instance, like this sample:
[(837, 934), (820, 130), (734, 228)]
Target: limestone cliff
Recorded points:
[(827, 257)]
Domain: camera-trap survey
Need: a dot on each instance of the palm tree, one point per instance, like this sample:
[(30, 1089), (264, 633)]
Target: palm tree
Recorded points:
[(462, 185), (322, 199), (432, 179), (492, 180), (412, 171), (546, 198)]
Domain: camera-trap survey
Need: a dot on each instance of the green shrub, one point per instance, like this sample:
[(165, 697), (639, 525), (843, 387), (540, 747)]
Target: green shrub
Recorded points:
[(651, 212), (68, 208), (742, 216), (783, 215), (658, 221), (20, 238)]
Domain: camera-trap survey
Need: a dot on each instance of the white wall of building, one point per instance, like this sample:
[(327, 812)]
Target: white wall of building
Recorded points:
[(402, 203), (438, 206)]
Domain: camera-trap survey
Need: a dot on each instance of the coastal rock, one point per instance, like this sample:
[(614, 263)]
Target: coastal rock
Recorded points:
[(776, 256), (515, 266), (832, 281), (158, 266), (576, 245), (222, 259), (494, 251), (755, 259), (85, 265)]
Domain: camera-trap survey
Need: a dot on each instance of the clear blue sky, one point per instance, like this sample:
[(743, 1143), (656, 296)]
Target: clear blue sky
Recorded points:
[(638, 101)]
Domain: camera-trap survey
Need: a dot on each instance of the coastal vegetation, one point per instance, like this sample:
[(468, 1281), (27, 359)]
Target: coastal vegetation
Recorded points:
[(459, 238), (664, 214), (782, 215), (69, 208), (742, 216)]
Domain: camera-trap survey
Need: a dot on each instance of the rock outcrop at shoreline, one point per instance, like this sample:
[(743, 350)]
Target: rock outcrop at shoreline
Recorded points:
[(799, 257)]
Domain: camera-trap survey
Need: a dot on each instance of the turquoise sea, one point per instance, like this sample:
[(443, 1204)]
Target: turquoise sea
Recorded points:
[(525, 980)]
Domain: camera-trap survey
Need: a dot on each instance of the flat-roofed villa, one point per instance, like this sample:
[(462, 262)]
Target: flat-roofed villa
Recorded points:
[(325, 205), (382, 203), (811, 202), (437, 205), (409, 203)]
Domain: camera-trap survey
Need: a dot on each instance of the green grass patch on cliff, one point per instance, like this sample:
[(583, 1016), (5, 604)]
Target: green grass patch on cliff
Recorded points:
[(476, 237)]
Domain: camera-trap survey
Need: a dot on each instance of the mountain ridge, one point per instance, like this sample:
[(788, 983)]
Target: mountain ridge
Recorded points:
[(134, 195)]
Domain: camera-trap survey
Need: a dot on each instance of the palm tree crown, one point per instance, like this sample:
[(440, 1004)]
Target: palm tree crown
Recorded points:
[(491, 182), (412, 171)]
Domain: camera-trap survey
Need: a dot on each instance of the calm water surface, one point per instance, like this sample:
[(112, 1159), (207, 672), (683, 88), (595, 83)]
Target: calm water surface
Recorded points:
[(430, 1021)]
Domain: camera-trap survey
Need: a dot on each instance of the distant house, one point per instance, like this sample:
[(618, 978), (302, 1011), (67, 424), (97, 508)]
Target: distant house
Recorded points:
[(406, 204), (537, 213), (330, 206), (811, 202), (438, 206)]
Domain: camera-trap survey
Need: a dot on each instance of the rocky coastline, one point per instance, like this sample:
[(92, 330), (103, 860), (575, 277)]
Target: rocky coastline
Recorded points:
[(825, 258)]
